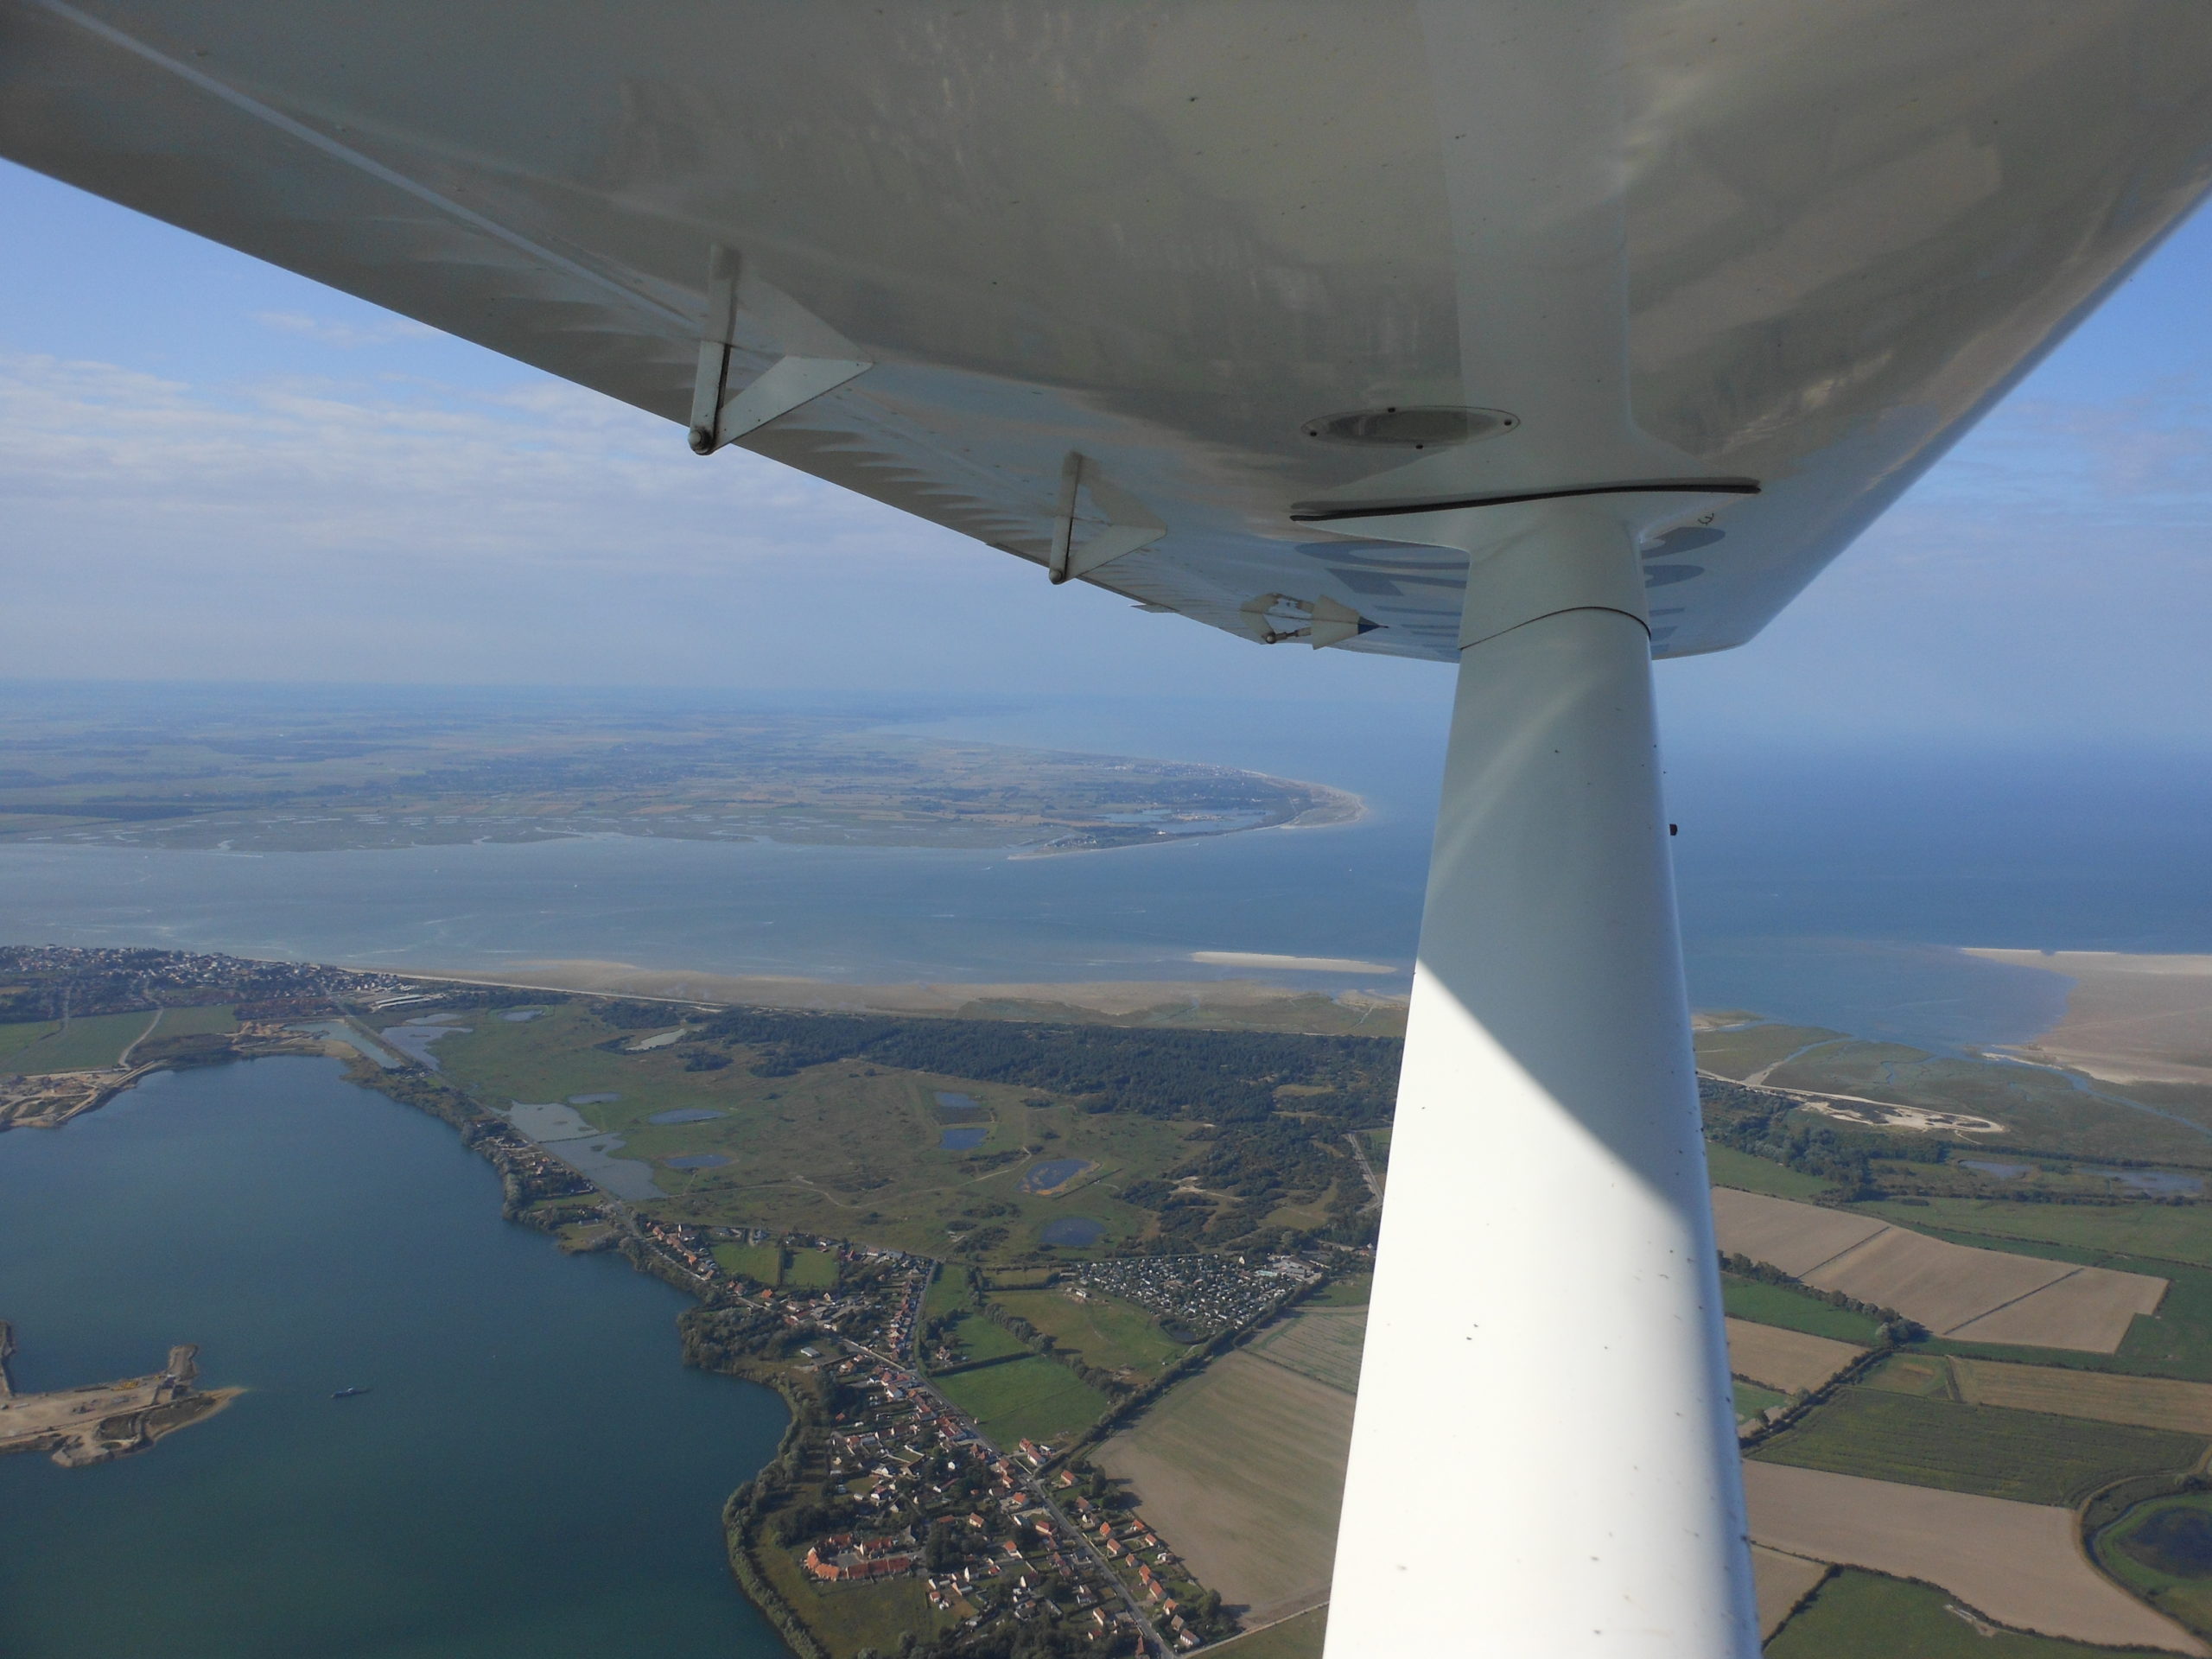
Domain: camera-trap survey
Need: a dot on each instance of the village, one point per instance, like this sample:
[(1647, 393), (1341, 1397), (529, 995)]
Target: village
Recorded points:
[(1201, 1292), (1017, 1534)]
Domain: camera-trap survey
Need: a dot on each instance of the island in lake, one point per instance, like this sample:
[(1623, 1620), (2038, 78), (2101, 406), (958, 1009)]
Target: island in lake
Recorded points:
[(98, 1421)]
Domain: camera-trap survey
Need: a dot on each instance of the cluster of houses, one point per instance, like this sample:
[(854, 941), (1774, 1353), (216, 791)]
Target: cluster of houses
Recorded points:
[(1203, 1292), (528, 1170), (902, 1461)]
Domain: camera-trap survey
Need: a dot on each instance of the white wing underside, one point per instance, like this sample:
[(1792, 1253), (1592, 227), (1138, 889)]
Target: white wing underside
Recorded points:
[(1723, 244)]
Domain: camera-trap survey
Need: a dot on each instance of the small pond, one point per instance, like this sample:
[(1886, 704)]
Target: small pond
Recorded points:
[(2154, 1183), (697, 1160), (2175, 1540), (522, 1016), (959, 1140), (1076, 1232), (591, 1100), (1053, 1172), (413, 1038), (958, 1109), (682, 1115)]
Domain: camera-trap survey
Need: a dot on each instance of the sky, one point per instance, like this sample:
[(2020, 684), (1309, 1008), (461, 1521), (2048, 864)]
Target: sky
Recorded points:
[(212, 469)]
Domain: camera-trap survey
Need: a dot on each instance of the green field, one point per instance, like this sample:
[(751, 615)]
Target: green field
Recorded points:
[(1729, 1167), (761, 1263), (2174, 1232), (976, 1338), (1351, 1290), (1859, 1615), (1752, 1399), (1927, 1374), (21, 1034), (2162, 1550), (2027, 1456), (1105, 1332), (82, 1045), (1794, 1310), (1298, 1637), (950, 1289), (1036, 1399), (811, 1270), (197, 1021)]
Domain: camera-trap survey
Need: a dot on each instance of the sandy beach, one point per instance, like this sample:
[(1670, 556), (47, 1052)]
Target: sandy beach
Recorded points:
[(1238, 1001), (2129, 1018)]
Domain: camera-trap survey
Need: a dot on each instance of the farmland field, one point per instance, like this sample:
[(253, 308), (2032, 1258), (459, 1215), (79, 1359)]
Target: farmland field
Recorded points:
[(1955, 1290), (1857, 1615), (2028, 1457), (1298, 1637), (1322, 1343), (2018, 1563), (2147, 1401), (82, 1045), (1240, 1470), (1782, 1582), (1035, 1399), (2175, 1232), (1752, 1399), (1729, 1167), (1793, 1310), (1788, 1360), (1104, 1332)]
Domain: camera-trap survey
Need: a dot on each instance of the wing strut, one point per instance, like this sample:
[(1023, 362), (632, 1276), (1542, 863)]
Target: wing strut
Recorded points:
[(1543, 1455)]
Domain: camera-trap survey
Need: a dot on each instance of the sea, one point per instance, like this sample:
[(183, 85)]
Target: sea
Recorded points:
[(532, 1470)]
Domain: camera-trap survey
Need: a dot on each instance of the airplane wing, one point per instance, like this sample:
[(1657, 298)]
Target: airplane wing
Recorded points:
[(1153, 295)]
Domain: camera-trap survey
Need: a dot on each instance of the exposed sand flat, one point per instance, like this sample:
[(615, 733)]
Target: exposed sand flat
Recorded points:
[(2129, 1019), (1781, 1581), (1973, 1294), (2018, 1563), (1943, 1285), (1788, 1360), (1301, 964), (1112, 996), (1796, 1237), (2090, 1309), (2145, 1401)]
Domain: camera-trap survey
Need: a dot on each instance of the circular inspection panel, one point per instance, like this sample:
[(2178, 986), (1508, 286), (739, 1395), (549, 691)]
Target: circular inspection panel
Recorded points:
[(1411, 427)]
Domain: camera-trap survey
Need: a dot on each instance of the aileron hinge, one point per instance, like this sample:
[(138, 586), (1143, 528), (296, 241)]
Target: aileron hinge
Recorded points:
[(1127, 523), (815, 359)]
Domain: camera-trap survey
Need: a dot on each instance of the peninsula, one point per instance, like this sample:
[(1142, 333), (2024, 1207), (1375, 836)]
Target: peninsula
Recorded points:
[(99, 1421)]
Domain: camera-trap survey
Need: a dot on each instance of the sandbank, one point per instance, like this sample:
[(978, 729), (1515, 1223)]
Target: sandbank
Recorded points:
[(2130, 1018)]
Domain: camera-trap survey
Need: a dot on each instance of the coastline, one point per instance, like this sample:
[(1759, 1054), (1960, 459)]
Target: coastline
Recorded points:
[(2131, 1018)]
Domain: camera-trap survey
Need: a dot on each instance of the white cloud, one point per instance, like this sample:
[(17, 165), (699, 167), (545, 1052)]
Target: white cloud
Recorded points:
[(346, 336)]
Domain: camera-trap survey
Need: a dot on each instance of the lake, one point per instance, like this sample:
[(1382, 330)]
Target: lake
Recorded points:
[(533, 1474)]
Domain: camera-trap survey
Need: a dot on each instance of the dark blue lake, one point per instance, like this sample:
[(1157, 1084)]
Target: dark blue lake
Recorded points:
[(959, 1139), (1074, 1232), (532, 1474)]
